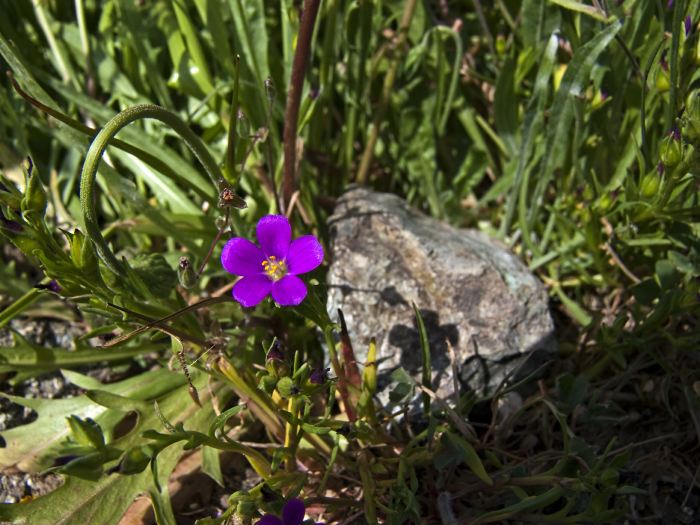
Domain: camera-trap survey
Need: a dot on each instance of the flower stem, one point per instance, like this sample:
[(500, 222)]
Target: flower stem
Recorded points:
[(296, 84), (20, 305), (98, 147), (290, 434)]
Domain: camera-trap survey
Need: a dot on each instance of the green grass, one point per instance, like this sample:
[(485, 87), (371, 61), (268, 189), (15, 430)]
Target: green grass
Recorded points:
[(547, 124)]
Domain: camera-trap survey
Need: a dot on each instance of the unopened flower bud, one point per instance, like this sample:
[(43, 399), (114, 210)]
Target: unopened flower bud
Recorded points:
[(34, 201), (671, 149), (287, 388), (275, 352), (599, 99), (319, 376), (185, 273), (663, 80), (651, 182), (500, 44), (267, 383), (691, 122)]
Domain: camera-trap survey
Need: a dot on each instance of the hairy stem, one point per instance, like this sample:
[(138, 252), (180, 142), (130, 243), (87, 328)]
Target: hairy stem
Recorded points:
[(97, 149)]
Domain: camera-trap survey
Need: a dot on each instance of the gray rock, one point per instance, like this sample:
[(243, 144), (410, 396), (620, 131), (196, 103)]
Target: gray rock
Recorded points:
[(470, 289)]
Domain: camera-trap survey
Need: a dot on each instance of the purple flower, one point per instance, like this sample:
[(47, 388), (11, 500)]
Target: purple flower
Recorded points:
[(319, 376), (292, 514), (274, 266), (688, 25)]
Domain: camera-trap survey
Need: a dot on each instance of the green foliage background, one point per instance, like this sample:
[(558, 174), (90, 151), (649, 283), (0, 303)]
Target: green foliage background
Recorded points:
[(547, 124)]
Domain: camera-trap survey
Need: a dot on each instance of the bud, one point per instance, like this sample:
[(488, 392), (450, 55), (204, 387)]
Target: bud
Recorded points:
[(500, 44), (605, 202), (267, 383), (319, 376), (275, 352), (651, 182), (691, 122), (34, 200), (86, 432), (287, 388), (663, 80), (672, 149), (185, 273), (599, 99)]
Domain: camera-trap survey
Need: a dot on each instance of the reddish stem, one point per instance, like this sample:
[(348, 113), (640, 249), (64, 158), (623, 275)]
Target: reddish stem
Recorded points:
[(296, 84)]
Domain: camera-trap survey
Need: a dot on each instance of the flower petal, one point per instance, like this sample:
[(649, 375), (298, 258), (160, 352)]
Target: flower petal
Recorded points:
[(305, 254), (293, 512), (242, 257), (250, 290), (289, 290), (269, 519), (274, 235)]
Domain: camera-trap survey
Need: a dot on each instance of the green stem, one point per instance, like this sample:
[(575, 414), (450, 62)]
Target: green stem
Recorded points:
[(97, 149), (290, 434), (20, 305)]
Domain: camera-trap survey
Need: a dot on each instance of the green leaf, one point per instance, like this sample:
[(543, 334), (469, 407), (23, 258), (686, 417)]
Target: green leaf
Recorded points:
[(580, 7), (50, 430), (426, 362), (465, 452), (86, 432)]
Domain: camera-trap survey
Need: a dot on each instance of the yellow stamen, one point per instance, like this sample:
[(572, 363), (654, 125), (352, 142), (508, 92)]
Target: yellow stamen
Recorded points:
[(274, 269)]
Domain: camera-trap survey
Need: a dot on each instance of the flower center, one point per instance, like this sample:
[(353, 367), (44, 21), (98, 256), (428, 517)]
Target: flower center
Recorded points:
[(274, 269)]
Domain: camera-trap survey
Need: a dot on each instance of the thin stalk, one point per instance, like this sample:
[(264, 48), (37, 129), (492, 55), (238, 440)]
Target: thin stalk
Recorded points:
[(296, 84), (97, 149), (20, 305), (387, 89), (678, 10), (290, 434), (340, 373), (230, 166)]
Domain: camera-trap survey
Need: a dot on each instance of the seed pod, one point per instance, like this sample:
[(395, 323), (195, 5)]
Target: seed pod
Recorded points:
[(671, 150), (287, 388), (691, 122), (650, 185)]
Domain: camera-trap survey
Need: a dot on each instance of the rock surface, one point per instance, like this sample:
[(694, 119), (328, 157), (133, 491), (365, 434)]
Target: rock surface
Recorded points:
[(470, 289)]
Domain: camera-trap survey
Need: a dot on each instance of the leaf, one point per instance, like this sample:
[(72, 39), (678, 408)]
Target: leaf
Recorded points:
[(465, 452), (27, 357), (579, 7), (426, 362), (106, 500), (50, 430)]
